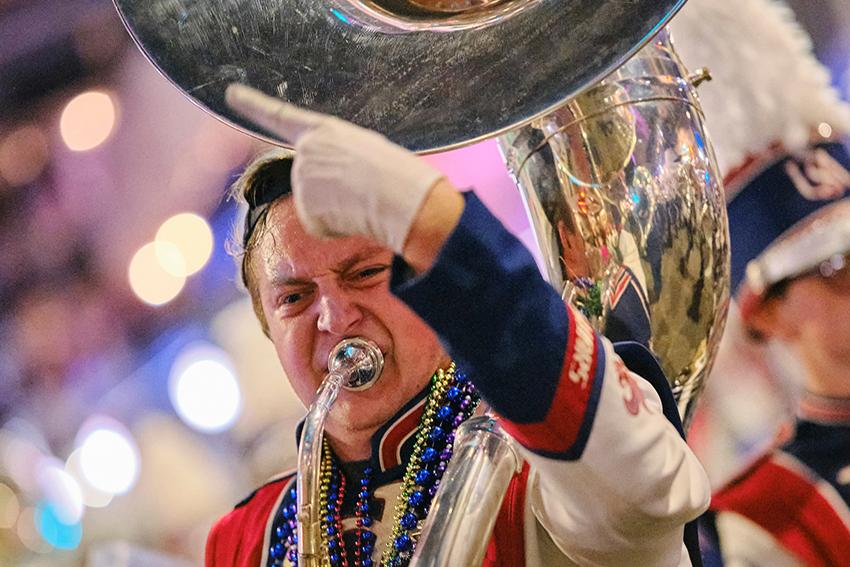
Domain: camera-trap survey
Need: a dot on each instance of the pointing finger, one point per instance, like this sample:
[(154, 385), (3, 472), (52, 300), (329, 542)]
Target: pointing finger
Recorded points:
[(281, 118)]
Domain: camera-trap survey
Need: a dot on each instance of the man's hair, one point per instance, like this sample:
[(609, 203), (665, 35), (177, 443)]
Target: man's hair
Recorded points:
[(265, 180)]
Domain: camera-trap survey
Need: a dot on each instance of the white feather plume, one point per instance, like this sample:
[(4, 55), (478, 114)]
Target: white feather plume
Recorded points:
[(767, 86)]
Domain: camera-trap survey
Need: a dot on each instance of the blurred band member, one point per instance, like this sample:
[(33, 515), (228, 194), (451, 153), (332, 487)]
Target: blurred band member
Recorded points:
[(793, 506), (776, 123)]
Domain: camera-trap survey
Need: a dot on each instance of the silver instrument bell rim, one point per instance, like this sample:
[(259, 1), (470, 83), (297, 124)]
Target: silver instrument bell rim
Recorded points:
[(249, 129)]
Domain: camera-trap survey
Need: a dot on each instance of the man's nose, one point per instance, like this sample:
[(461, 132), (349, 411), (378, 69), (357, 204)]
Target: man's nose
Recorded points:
[(337, 313)]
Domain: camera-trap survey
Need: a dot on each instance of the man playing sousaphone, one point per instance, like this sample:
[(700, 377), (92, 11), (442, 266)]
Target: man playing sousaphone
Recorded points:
[(357, 237)]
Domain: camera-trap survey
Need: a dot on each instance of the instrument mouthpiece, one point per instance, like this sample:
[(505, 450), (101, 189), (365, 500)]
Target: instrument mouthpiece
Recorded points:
[(359, 361)]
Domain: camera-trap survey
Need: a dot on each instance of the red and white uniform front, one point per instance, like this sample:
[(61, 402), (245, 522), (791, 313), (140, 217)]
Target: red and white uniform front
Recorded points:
[(792, 507)]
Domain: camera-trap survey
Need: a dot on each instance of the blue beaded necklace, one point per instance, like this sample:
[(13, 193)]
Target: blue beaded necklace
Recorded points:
[(451, 401)]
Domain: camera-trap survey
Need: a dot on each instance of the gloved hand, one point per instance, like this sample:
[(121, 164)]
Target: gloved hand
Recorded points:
[(346, 180)]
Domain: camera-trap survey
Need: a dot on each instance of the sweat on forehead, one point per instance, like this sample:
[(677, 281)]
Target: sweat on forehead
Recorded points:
[(285, 249)]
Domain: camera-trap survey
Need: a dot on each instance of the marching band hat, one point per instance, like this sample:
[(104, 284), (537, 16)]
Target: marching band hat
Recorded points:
[(769, 201), (786, 235)]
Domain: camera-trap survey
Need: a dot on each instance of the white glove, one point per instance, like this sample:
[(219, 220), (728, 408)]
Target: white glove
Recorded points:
[(346, 180)]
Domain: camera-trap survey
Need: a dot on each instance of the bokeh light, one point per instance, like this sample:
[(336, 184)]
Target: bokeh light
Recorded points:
[(87, 121), (61, 492), (92, 496), (10, 507), (109, 457), (20, 457), (193, 238), (150, 281), (23, 155), (203, 388), (28, 533), (54, 529)]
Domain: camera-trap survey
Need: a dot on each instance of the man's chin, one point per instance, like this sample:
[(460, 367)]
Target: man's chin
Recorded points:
[(351, 433), (357, 414)]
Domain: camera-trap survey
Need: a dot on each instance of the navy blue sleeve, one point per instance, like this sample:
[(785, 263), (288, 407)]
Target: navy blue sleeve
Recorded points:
[(495, 314)]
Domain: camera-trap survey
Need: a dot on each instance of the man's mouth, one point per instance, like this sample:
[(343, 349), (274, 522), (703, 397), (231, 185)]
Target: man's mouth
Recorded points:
[(321, 363)]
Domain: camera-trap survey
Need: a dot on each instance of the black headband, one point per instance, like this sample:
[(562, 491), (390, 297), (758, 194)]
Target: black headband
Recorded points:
[(270, 183)]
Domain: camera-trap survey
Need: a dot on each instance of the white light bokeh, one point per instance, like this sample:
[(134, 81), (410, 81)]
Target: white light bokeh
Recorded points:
[(109, 457), (87, 121), (61, 490), (150, 281), (191, 235), (10, 507), (203, 388), (92, 496)]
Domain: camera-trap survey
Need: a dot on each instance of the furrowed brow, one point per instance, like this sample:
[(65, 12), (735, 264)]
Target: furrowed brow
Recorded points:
[(355, 259), (283, 280)]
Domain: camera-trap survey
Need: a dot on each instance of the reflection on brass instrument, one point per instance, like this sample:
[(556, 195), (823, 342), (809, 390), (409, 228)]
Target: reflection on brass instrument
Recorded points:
[(619, 179), (392, 16), (624, 198)]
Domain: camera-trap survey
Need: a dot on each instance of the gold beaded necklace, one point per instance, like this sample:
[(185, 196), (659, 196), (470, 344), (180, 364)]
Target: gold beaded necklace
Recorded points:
[(451, 400)]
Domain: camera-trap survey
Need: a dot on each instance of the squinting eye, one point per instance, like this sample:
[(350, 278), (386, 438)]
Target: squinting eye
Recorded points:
[(370, 272), (292, 302), (291, 298)]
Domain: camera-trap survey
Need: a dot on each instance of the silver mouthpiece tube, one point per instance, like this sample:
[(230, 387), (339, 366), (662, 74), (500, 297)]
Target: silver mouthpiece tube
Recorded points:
[(354, 364), (466, 505)]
